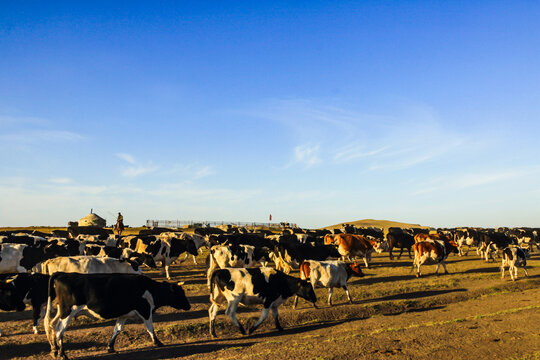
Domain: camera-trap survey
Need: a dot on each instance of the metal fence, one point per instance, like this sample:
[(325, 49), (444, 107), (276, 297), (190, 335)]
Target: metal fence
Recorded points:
[(203, 223)]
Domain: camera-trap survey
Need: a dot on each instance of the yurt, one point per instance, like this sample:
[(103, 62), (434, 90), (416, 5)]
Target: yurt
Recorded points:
[(92, 220)]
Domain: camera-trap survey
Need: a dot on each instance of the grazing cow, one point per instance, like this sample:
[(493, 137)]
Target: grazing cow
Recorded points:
[(514, 257), (397, 237), (358, 245), (235, 256), (88, 265), (432, 251), (22, 289), (328, 274), (254, 286), (107, 296)]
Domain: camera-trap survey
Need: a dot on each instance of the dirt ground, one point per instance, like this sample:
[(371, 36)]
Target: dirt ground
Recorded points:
[(469, 314)]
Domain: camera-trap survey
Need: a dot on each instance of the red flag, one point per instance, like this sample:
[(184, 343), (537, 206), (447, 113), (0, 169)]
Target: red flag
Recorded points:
[(270, 217)]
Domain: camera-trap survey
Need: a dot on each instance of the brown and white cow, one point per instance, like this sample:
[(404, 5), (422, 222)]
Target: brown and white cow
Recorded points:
[(358, 245), (328, 274), (434, 252)]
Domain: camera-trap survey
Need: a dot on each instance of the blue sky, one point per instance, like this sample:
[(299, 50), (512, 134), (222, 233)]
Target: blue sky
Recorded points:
[(314, 112)]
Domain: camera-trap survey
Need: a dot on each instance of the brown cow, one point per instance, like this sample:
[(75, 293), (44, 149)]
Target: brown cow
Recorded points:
[(358, 245), (430, 237), (433, 251)]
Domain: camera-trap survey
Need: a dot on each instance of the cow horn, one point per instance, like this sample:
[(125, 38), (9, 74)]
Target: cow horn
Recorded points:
[(180, 283), (9, 280)]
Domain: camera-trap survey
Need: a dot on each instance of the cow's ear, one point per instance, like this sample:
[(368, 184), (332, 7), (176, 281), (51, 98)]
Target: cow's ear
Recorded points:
[(9, 281)]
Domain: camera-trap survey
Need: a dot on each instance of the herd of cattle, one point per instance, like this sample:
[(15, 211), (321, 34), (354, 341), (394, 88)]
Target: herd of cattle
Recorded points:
[(101, 275)]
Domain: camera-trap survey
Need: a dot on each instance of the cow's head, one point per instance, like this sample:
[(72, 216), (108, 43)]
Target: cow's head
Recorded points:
[(354, 269), (177, 298), (10, 299), (328, 239), (305, 291), (380, 246), (452, 246)]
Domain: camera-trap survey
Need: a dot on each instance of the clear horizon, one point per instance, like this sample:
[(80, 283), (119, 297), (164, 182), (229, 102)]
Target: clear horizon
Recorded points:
[(316, 113)]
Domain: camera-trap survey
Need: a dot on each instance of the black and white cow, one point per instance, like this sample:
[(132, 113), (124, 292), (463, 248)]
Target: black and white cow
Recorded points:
[(467, 237), (107, 296), (254, 286), (514, 257), (22, 289), (491, 242), (20, 258), (235, 256)]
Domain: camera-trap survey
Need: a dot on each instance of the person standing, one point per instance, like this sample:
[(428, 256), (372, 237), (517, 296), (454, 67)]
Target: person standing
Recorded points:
[(119, 224)]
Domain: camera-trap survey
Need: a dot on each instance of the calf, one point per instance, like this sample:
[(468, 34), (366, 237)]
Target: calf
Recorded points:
[(254, 286), (328, 274), (107, 296), (22, 289), (514, 257), (434, 251), (289, 255)]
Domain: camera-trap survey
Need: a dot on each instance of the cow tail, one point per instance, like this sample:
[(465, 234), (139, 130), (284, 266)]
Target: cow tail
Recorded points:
[(47, 319)]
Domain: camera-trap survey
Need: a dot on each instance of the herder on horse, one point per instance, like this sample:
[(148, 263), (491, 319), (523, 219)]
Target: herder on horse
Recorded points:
[(119, 227)]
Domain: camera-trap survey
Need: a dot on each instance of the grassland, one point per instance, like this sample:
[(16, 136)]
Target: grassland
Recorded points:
[(469, 314)]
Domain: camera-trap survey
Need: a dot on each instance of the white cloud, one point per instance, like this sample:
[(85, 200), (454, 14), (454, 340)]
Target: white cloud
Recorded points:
[(307, 154), (137, 170), (126, 157), (60, 181), (40, 136)]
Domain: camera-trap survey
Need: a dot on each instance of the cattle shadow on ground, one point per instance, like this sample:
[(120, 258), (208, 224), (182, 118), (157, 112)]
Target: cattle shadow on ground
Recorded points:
[(32, 349), (168, 351), (298, 329), (482, 270), (180, 315), (200, 299), (195, 281), (383, 279), (411, 295)]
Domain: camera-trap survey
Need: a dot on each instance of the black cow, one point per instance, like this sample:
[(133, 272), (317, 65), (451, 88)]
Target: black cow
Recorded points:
[(248, 286), (399, 238), (21, 289), (107, 296)]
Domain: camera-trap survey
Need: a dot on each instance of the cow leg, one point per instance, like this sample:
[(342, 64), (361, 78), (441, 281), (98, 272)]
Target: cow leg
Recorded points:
[(295, 302), (61, 327), (49, 327), (264, 315), (37, 315), (400, 253), (276, 318), (437, 268), (195, 259), (444, 266), (232, 307), (212, 313), (525, 270), (366, 261), (330, 292), (149, 325), (348, 293), (390, 252), (118, 327), (502, 271), (410, 256)]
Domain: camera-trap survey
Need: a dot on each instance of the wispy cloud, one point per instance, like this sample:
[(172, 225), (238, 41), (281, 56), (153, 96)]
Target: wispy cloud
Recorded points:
[(307, 154), (126, 157), (464, 181), (62, 180), (40, 136)]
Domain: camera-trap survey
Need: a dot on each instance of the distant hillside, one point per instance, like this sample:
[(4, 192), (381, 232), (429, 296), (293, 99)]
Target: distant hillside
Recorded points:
[(384, 224)]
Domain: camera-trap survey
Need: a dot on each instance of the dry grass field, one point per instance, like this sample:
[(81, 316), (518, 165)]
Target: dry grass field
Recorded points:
[(469, 314)]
